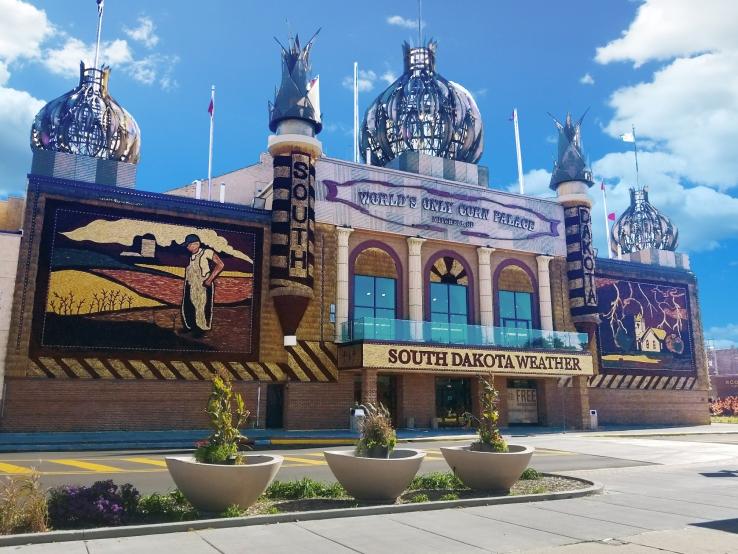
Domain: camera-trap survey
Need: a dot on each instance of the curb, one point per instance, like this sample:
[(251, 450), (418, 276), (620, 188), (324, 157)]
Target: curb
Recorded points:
[(590, 489)]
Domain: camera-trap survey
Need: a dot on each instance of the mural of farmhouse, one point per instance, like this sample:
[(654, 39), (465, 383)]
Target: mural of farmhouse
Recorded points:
[(120, 283), (644, 325)]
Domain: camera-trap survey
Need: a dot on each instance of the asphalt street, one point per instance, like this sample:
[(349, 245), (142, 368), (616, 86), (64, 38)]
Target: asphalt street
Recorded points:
[(146, 469)]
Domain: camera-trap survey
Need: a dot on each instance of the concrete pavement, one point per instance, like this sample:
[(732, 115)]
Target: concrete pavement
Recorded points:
[(686, 503)]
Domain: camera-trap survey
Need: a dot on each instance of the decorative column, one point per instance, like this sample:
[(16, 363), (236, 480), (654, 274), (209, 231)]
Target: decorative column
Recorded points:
[(486, 303), (415, 284), (544, 293), (342, 278)]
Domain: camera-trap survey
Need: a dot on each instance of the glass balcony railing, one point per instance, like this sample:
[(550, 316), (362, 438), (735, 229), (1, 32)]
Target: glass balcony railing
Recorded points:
[(433, 332)]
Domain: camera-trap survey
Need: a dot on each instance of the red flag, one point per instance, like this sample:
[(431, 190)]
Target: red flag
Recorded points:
[(602, 185), (211, 108), (611, 216)]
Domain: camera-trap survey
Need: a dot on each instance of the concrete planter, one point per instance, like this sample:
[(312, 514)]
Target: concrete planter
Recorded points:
[(375, 478), (214, 487), (488, 471)]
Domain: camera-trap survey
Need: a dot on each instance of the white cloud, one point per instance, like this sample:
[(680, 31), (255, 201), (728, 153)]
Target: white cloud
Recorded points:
[(725, 336), (366, 81), (17, 110), (399, 21), (536, 183), (685, 115), (664, 29), (388, 77), (23, 28), (703, 215), (587, 79), (65, 60), (690, 108), (145, 33)]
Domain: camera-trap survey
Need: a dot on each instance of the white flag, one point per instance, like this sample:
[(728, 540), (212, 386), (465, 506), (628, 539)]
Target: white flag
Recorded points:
[(628, 137)]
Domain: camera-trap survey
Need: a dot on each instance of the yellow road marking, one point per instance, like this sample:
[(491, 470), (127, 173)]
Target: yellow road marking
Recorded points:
[(313, 441), (98, 468), (148, 461), (12, 469), (304, 461)]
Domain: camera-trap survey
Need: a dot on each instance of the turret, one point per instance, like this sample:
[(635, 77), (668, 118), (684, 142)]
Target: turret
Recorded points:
[(295, 120), (571, 179)]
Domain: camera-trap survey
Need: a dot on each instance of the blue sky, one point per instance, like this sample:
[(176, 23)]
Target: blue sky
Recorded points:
[(668, 67)]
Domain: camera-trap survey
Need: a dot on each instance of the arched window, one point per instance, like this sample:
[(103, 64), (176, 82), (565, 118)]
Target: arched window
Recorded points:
[(449, 300), (516, 306), (375, 299)]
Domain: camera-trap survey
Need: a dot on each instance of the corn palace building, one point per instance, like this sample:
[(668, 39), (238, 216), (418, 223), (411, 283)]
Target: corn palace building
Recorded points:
[(322, 283)]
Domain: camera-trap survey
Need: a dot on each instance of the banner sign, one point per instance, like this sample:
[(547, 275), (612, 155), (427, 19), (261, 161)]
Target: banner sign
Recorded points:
[(464, 360), (471, 215)]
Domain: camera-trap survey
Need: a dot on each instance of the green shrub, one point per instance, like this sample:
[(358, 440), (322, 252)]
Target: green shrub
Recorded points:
[(233, 511), (450, 496), (531, 474), (164, 508), (490, 438), (23, 507), (419, 498), (439, 480), (304, 488), (222, 445), (272, 510)]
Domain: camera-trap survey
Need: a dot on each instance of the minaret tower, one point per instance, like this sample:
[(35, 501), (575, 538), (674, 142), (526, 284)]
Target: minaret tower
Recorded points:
[(571, 179), (295, 121)]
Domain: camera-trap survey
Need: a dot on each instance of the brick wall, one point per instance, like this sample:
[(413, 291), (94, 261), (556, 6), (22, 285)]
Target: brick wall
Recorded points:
[(101, 405), (319, 405), (417, 399), (650, 407)]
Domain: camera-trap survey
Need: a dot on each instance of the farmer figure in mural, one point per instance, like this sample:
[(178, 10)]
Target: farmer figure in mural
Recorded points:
[(197, 300)]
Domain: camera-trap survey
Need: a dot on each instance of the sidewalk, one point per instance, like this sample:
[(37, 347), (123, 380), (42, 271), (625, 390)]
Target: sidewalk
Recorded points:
[(175, 439), (680, 507)]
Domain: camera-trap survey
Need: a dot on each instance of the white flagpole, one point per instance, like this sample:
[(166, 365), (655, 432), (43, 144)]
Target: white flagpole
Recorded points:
[(521, 184), (100, 9), (635, 151), (210, 156), (356, 112), (607, 221)]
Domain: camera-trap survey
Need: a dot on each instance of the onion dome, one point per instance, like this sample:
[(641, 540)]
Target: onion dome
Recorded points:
[(423, 112), (642, 226), (88, 121)]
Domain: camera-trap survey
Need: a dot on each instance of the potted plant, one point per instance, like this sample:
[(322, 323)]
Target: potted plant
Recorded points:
[(489, 463), (375, 469), (219, 474)]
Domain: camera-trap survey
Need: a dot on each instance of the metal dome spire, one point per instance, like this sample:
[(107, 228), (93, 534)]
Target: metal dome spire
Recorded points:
[(641, 226), (88, 121), (423, 112)]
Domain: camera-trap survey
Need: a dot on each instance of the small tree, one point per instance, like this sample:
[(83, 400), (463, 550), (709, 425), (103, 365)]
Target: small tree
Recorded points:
[(490, 438), (222, 445)]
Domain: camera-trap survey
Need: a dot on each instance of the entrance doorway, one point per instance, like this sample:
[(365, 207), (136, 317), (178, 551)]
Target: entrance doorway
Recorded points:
[(522, 402), (275, 407), (453, 399), (387, 394)]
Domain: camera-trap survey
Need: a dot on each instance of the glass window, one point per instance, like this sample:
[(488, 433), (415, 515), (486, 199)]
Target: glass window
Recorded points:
[(516, 317), (449, 313), (374, 302)]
